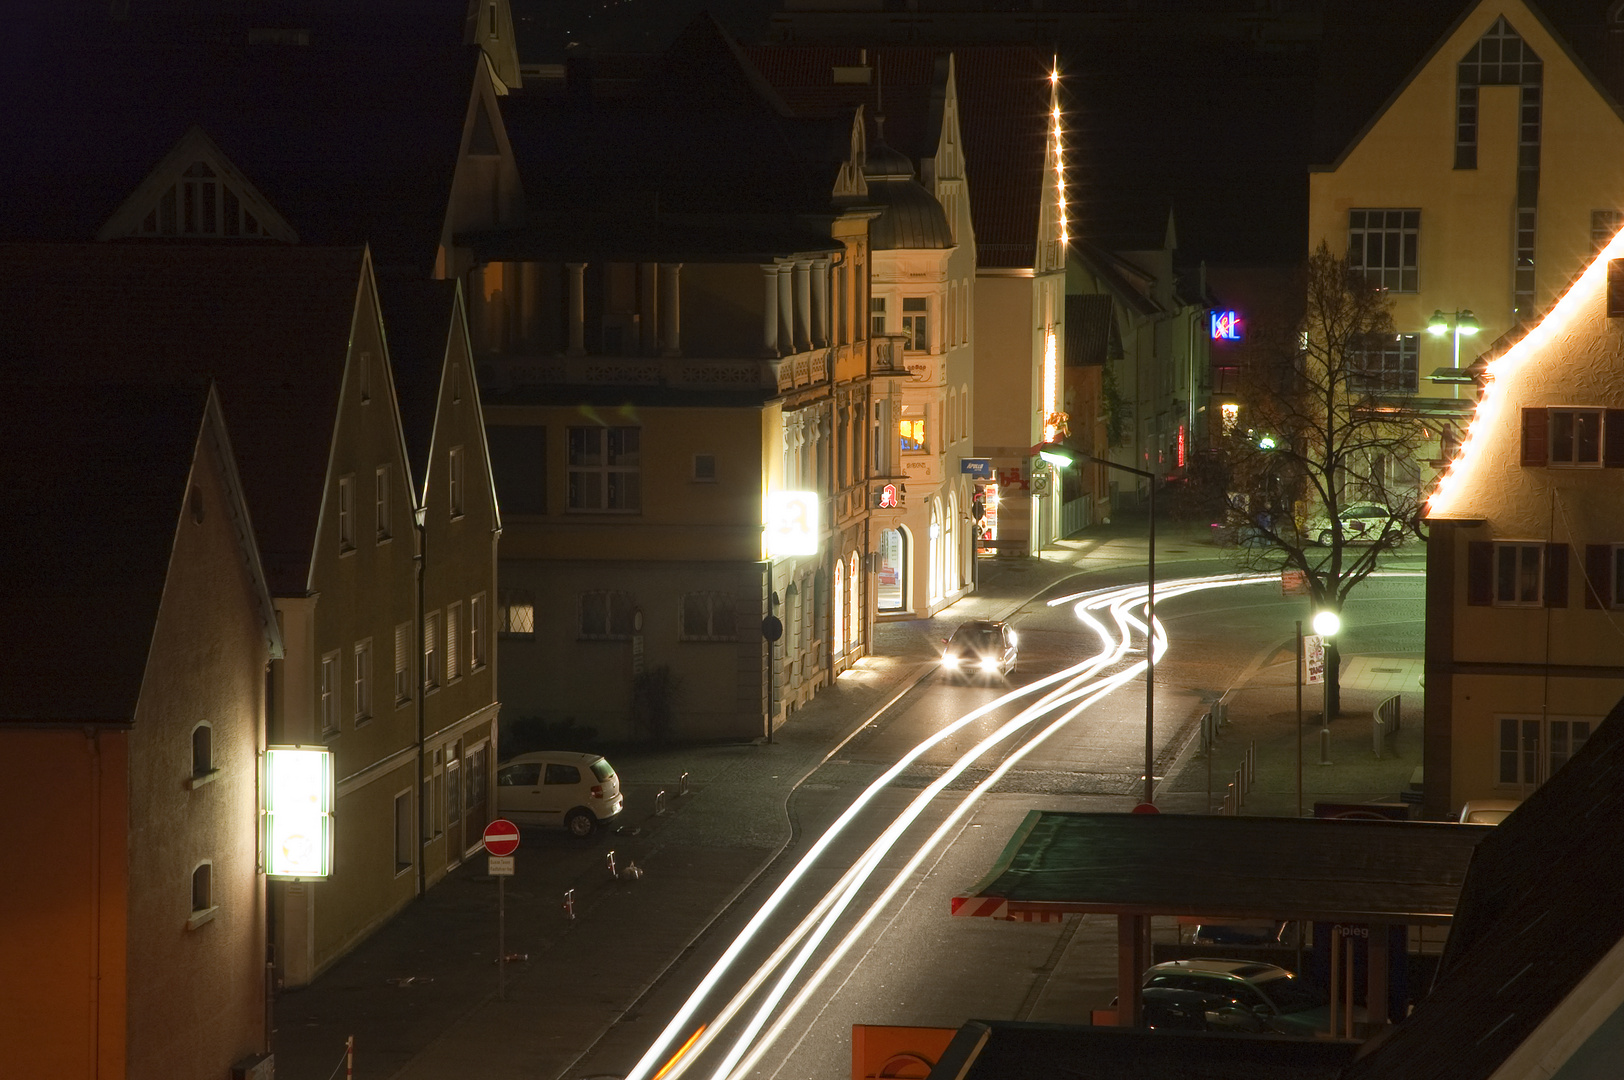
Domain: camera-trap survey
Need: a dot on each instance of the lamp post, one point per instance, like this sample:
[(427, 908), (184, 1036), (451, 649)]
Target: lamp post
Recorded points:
[(1061, 456), (1458, 323)]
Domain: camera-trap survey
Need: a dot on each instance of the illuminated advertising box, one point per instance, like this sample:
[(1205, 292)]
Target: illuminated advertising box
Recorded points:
[(299, 796), (792, 523)]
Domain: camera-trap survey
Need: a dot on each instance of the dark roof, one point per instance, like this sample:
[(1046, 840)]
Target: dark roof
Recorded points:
[(910, 217), (97, 477), (1003, 94), (1539, 911), (1233, 867), (1012, 1050), (270, 324), (417, 319), (351, 145), (1090, 330)]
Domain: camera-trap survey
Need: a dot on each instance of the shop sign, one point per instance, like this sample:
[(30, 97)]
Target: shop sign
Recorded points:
[(792, 523), (298, 817)]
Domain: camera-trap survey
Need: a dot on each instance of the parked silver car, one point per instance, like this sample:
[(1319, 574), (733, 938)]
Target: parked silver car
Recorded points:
[(559, 787), (1282, 1002)]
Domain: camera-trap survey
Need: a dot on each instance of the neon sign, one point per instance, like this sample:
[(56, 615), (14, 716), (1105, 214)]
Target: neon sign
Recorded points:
[(888, 496), (1226, 326), (298, 815)]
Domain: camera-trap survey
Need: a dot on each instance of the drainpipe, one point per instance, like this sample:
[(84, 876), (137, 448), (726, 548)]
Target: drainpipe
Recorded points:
[(420, 559)]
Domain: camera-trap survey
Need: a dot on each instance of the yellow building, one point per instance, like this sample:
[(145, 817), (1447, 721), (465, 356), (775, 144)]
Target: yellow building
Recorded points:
[(1474, 194)]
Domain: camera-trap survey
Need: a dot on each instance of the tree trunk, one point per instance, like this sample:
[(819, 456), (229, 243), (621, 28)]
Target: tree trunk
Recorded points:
[(1333, 680)]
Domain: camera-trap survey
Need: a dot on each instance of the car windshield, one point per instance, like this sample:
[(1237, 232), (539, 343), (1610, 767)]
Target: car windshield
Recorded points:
[(1290, 995), (979, 638), (602, 771)]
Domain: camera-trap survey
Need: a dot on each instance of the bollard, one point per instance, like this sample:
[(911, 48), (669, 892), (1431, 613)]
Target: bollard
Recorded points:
[(659, 803), (1229, 800), (611, 863), (1325, 746), (1239, 784), (1251, 765), (569, 904), (682, 785)]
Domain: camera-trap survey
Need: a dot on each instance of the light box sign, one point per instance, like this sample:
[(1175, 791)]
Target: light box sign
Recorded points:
[(1226, 326), (299, 795), (792, 523)]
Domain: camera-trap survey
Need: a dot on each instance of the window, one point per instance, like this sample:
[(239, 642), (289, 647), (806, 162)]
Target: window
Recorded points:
[(431, 650), (876, 315), (346, 513), (912, 428), (1387, 364), (1531, 748), (1516, 574), (202, 895), (606, 614), (1604, 225), (524, 774), (202, 751), (381, 498), (363, 681), (518, 613), (708, 616), (329, 694), (562, 774), (454, 481), (705, 468), (1383, 244), (403, 663), (365, 377), (519, 460), (476, 632), (914, 324), (1575, 437), (453, 642), (433, 796), (200, 205), (403, 831), (605, 469)]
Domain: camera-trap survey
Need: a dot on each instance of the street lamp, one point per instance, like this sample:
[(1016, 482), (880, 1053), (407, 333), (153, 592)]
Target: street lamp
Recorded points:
[(1060, 456), (1460, 323)]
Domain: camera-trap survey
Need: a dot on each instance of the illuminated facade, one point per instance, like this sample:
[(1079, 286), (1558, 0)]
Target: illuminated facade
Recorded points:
[(1526, 556)]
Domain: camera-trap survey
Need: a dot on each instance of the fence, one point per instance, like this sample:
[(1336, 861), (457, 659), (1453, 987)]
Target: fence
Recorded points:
[(1385, 721)]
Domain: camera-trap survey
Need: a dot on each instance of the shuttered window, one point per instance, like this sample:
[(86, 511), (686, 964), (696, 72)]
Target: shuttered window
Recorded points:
[(1573, 437), (1516, 574), (453, 641), (1615, 287), (1604, 575)]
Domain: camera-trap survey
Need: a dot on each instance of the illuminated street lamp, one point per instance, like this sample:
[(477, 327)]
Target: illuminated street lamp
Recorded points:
[(1060, 456), (1327, 623), (1460, 323)]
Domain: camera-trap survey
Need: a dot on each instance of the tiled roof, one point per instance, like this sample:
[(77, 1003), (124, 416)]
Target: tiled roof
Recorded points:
[(97, 482), (1003, 94), (270, 324), (1089, 330), (353, 145)]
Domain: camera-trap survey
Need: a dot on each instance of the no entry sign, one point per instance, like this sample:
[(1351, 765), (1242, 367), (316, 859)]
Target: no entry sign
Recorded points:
[(501, 837)]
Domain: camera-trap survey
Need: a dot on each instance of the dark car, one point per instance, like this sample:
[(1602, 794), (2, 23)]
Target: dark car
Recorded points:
[(1169, 1008), (1281, 1002), (980, 647)]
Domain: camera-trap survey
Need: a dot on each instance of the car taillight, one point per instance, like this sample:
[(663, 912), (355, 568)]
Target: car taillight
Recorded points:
[(597, 791)]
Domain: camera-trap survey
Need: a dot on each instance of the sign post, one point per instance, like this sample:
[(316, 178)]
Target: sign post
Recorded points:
[(501, 841), (1314, 652), (1299, 718)]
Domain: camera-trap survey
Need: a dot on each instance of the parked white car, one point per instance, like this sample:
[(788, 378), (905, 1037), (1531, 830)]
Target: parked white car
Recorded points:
[(559, 787), (1361, 523)]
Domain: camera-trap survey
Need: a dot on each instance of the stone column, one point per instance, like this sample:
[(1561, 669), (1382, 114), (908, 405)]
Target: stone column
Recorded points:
[(769, 309), (786, 308), (648, 313), (803, 305), (577, 273), (670, 309), (820, 303)]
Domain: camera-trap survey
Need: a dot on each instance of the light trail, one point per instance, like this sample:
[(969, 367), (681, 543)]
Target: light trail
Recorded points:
[(820, 922)]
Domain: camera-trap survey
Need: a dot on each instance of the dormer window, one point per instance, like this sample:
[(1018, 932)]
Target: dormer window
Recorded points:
[(200, 204)]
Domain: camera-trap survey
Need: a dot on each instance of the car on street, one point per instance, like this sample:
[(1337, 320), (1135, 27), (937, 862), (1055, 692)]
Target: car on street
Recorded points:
[(1487, 811), (1168, 1008), (1361, 523), (980, 647), (559, 787), (1282, 1003)]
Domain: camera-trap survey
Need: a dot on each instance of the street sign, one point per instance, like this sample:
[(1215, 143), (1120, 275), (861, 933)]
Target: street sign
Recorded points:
[(500, 865), (501, 837), (1314, 657), (979, 468)]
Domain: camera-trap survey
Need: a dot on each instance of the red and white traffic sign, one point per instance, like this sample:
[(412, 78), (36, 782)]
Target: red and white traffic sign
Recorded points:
[(501, 837)]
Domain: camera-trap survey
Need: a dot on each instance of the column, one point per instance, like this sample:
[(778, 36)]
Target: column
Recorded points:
[(820, 303), (577, 275), (529, 305), (786, 308), (648, 312), (803, 305), (670, 309), (769, 309)]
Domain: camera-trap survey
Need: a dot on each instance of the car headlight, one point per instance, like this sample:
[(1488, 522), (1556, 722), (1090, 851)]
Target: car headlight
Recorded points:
[(989, 664), (950, 660), (1012, 638)]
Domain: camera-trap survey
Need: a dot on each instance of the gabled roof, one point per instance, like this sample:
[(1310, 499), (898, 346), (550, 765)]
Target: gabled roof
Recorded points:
[(270, 324), (98, 475), (1003, 95), (350, 145), (1539, 910)]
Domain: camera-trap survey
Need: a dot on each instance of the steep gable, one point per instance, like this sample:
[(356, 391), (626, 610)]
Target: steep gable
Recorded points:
[(196, 193)]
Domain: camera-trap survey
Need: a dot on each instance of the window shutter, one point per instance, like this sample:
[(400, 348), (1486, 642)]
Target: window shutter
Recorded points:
[(1612, 453), (1535, 428), (1480, 573), (1615, 288), (1598, 575), (1556, 575)]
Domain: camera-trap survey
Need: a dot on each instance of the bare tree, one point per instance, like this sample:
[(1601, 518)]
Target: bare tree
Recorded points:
[(1321, 433)]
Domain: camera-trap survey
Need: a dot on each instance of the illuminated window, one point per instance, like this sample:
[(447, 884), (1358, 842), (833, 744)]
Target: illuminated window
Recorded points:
[(912, 427), (518, 613), (708, 616), (605, 469), (915, 324), (606, 615), (1387, 364), (1383, 244)]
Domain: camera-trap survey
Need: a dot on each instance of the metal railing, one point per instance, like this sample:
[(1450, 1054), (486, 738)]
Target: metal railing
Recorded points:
[(1385, 722)]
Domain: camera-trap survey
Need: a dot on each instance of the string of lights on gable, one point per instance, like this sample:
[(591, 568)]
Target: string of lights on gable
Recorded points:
[(1057, 147), (1578, 302)]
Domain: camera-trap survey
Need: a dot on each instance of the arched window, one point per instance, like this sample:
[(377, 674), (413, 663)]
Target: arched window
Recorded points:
[(950, 546), (839, 633), (202, 750), (933, 590), (891, 590), (854, 620)]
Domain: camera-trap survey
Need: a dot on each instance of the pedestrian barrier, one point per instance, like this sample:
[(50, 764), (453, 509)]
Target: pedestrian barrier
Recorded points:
[(611, 864), (1385, 724), (659, 803), (682, 785), (569, 904)]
